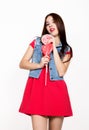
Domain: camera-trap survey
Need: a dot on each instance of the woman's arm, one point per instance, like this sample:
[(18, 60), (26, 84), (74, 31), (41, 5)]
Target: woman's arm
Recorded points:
[(25, 61), (61, 65)]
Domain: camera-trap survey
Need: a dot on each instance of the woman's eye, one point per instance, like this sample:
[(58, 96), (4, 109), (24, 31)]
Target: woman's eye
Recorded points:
[(47, 24), (50, 23)]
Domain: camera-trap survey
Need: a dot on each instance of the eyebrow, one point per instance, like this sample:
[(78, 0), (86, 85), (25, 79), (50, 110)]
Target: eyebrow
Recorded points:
[(51, 20)]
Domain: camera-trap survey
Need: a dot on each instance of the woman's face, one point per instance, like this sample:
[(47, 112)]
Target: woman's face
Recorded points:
[(51, 26)]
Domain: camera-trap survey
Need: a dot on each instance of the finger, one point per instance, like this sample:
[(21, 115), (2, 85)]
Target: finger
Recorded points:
[(45, 62), (47, 56), (46, 59)]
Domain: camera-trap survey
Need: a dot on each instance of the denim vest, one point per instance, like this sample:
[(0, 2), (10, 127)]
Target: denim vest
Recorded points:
[(36, 58)]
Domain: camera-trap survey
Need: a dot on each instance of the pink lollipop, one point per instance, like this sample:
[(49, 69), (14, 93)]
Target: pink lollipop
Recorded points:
[(46, 50), (45, 38)]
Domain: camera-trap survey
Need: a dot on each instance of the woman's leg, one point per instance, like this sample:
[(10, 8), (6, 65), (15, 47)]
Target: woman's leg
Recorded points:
[(39, 122), (55, 123)]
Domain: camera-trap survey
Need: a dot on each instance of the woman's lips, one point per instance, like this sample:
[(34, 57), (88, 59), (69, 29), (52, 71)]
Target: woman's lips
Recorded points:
[(52, 29)]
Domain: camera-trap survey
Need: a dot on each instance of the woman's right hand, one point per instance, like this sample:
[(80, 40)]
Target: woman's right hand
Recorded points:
[(44, 61)]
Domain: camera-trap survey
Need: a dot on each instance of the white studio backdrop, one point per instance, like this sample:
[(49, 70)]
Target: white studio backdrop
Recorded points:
[(20, 22)]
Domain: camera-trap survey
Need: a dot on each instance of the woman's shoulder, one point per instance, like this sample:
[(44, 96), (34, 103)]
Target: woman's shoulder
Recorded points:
[(33, 42), (68, 49)]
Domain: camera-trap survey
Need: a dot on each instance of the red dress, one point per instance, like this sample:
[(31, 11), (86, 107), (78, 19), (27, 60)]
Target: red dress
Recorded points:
[(50, 100)]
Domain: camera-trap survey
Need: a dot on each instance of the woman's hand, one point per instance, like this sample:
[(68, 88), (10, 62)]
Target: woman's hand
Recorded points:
[(52, 40), (44, 61)]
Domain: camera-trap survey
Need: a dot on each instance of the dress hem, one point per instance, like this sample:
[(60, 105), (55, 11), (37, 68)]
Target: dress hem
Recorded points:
[(47, 115)]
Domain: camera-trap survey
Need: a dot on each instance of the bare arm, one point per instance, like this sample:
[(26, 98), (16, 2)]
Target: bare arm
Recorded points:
[(25, 61), (61, 65)]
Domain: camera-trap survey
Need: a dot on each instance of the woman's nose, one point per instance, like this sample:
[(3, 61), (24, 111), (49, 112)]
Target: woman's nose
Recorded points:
[(50, 25)]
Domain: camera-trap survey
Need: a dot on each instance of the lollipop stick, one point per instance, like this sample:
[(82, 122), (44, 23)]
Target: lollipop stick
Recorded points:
[(46, 74)]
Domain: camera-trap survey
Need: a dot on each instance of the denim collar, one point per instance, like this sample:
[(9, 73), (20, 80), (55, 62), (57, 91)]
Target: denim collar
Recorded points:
[(59, 45)]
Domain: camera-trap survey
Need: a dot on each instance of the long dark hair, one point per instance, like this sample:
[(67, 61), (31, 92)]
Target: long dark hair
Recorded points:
[(62, 34)]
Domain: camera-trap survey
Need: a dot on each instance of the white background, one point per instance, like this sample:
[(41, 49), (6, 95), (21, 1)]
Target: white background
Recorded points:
[(20, 21)]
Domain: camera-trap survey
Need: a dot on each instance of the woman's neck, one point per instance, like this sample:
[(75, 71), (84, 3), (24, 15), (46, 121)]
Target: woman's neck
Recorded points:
[(57, 41)]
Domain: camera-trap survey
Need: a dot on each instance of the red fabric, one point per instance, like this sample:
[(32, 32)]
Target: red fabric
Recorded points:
[(50, 100), (68, 52), (32, 44)]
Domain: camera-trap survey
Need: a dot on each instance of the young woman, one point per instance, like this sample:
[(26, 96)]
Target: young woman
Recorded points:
[(47, 105)]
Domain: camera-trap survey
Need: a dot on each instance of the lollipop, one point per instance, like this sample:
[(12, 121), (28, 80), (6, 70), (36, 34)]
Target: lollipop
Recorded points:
[(46, 50)]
